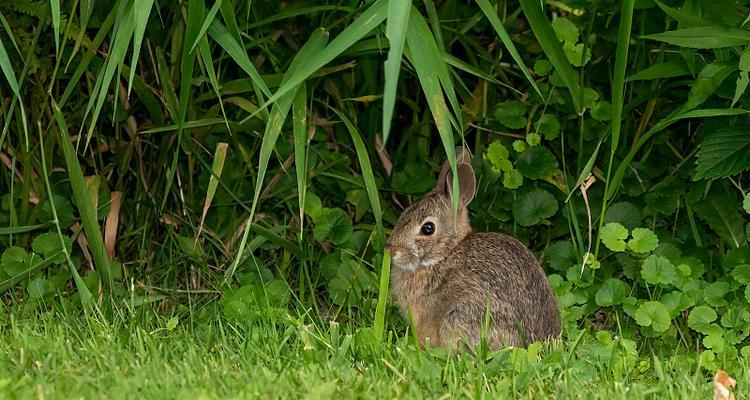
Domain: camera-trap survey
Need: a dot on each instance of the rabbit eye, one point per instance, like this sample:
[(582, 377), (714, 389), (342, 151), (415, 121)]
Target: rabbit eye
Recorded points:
[(428, 229)]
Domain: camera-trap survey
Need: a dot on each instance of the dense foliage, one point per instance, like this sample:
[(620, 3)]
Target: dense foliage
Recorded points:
[(140, 137)]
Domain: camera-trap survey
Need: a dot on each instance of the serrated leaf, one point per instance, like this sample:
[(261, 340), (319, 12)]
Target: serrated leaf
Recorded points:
[(537, 163), (612, 292), (534, 206), (723, 153), (613, 236), (512, 179), (658, 270), (653, 314), (721, 214), (643, 241)]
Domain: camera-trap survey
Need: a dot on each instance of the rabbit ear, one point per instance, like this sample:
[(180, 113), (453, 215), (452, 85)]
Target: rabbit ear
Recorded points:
[(466, 178)]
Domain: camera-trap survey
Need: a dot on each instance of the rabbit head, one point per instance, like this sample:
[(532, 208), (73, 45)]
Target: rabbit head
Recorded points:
[(426, 232)]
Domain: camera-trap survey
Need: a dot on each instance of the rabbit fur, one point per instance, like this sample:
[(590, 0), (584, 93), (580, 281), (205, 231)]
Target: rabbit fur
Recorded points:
[(449, 280)]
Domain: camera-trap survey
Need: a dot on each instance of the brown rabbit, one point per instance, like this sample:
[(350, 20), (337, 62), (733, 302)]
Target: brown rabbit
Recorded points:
[(447, 278)]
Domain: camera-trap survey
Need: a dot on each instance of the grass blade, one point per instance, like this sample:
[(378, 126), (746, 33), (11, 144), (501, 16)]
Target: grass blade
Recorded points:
[(55, 10), (83, 201), (385, 273), (491, 15), (365, 23), (367, 175), (10, 77), (206, 23), (705, 37), (279, 111), (553, 49), (141, 12), (422, 54), (395, 31), (216, 168), (299, 127), (618, 89)]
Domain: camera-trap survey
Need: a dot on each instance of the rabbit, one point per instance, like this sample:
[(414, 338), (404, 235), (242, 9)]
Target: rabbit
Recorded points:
[(447, 278)]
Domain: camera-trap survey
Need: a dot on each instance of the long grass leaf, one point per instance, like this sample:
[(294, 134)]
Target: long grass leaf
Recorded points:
[(206, 23), (395, 31), (419, 52), (367, 174), (141, 12), (86, 208), (706, 37), (299, 129), (216, 168), (365, 23), (385, 273), (553, 49), (497, 25), (10, 77), (279, 112), (55, 10)]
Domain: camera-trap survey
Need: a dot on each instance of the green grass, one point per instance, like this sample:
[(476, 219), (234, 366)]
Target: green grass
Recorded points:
[(55, 354)]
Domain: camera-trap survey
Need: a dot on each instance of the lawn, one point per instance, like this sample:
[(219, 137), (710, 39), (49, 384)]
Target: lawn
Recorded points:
[(51, 354)]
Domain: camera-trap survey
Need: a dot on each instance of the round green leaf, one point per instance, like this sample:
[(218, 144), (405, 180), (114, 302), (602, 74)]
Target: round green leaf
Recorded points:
[(658, 270), (533, 139), (625, 213), (511, 114), (643, 241), (613, 236), (715, 292), (512, 179), (653, 314), (560, 255), (602, 111), (542, 67), (565, 30), (549, 126), (534, 206), (519, 146), (746, 203), (333, 224), (612, 292), (537, 163), (700, 319)]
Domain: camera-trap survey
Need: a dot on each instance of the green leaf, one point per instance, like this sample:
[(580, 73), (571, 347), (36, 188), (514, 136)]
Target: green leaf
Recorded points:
[(561, 255), (612, 292), (497, 155), (38, 287), (549, 126), (512, 179), (542, 67), (715, 292), (625, 213), (709, 79), (48, 244), (519, 146), (707, 37), (700, 319), (497, 25), (717, 211), (395, 31), (724, 153), (537, 163), (547, 38), (575, 55), (653, 314), (534, 206), (613, 236), (669, 69), (533, 139), (643, 241), (333, 224), (741, 273), (511, 114), (565, 30), (658, 270), (746, 203)]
